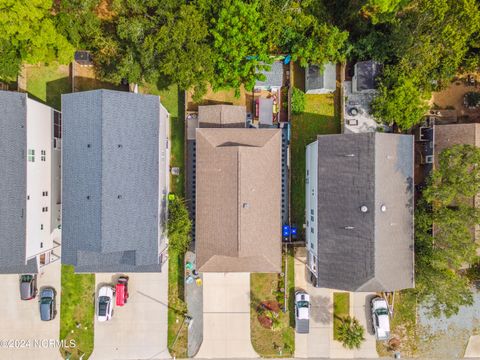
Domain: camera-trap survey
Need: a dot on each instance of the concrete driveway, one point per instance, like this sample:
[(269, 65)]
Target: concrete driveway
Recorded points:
[(319, 343), (20, 320), (226, 316), (137, 330)]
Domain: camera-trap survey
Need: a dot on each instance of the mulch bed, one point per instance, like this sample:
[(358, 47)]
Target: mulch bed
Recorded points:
[(270, 305)]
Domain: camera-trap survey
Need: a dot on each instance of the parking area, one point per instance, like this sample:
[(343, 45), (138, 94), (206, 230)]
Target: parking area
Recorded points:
[(28, 337), (319, 342), (138, 330), (226, 316)]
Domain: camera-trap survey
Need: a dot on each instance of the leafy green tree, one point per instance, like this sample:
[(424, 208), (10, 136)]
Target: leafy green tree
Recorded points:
[(28, 34), (399, 100), (179, 226), (238, 45), (383, 10), (351, 333), (457, 177), (78, 21), (444, 219), (187, 60)]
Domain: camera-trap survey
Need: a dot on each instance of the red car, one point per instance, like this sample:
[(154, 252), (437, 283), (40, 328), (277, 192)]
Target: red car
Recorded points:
[(122, 291)]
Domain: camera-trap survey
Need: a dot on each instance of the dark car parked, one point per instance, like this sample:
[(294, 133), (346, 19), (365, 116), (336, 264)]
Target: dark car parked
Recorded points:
[(28, 287), (47, 304)]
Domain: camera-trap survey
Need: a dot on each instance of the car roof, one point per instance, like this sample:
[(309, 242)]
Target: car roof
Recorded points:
[(25, 289)]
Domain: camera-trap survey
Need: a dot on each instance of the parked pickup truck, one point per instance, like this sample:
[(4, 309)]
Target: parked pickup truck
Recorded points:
[(302, 312)]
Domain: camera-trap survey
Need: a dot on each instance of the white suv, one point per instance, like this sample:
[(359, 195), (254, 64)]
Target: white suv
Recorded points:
[(105, 303), (380, 319)]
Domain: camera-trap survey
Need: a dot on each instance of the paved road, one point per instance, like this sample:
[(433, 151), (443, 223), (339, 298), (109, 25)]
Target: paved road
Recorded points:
[(137, 330), (20, 320), (226, 316)]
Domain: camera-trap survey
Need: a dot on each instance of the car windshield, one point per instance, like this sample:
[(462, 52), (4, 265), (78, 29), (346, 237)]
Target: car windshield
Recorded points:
[(302, 304), (102, 305), (26, 278), (46, 301), (382, 312)]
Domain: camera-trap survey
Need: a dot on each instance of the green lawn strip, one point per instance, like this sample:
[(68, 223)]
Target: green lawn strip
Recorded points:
[(77, 311), (177, 306), (173, 100), (341, 309), (318, 118), (265, 287), (46, 83)]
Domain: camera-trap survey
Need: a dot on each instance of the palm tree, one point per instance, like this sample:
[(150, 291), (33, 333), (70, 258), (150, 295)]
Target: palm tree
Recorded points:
[(350, 333)]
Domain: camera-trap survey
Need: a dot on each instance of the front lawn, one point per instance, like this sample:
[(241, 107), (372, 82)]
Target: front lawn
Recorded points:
[(341, 309), (319, 118), (77, 311), (278, 341), (46, 83)]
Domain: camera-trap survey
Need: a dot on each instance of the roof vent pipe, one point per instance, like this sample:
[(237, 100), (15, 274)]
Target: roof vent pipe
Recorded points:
[(383, 208), (363, 209)]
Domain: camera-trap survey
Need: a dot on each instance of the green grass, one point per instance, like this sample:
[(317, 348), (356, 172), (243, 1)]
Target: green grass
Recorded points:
[(403, 325), (319, 118), (264, 287), (77, 310), (174, 101), (341, 309), (176, 306), (46, 83)]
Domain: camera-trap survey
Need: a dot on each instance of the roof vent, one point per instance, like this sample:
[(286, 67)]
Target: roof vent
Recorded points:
[(119, 196), (88, 197), (88, 145), (349, 155), (363, 209), (383, 208), (120, 146), (349, 228), (246, 205)]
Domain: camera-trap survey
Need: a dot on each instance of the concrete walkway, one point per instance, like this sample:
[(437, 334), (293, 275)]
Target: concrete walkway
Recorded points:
[(226, 316), (319, 343), (473, 347)]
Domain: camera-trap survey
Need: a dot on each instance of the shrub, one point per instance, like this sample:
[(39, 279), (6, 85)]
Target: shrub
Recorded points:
[(179, 225), (298, 101)]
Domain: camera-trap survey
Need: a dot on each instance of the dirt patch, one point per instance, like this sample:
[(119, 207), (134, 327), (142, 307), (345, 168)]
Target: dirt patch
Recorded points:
[(453, 98)]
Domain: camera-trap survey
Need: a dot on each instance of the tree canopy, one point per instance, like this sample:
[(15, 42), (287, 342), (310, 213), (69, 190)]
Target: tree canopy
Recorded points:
[(28, 33), (444, 220)]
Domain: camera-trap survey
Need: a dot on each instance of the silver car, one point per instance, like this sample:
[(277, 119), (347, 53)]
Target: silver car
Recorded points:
[(47, 304), (380, 319)]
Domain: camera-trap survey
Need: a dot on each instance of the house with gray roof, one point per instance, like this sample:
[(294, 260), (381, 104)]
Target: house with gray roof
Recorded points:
[(115, 181), (30, 184), (238, 200), (320, 79), (359, 211)]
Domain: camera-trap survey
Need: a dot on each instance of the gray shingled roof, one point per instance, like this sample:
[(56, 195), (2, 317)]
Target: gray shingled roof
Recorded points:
[(110, 210), (366, 74), (373, 250), (13, 184), (273, 77), (318, 78)]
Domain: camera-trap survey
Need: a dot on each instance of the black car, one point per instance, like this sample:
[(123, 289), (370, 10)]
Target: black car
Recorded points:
[(47, 304), (28, 287)]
